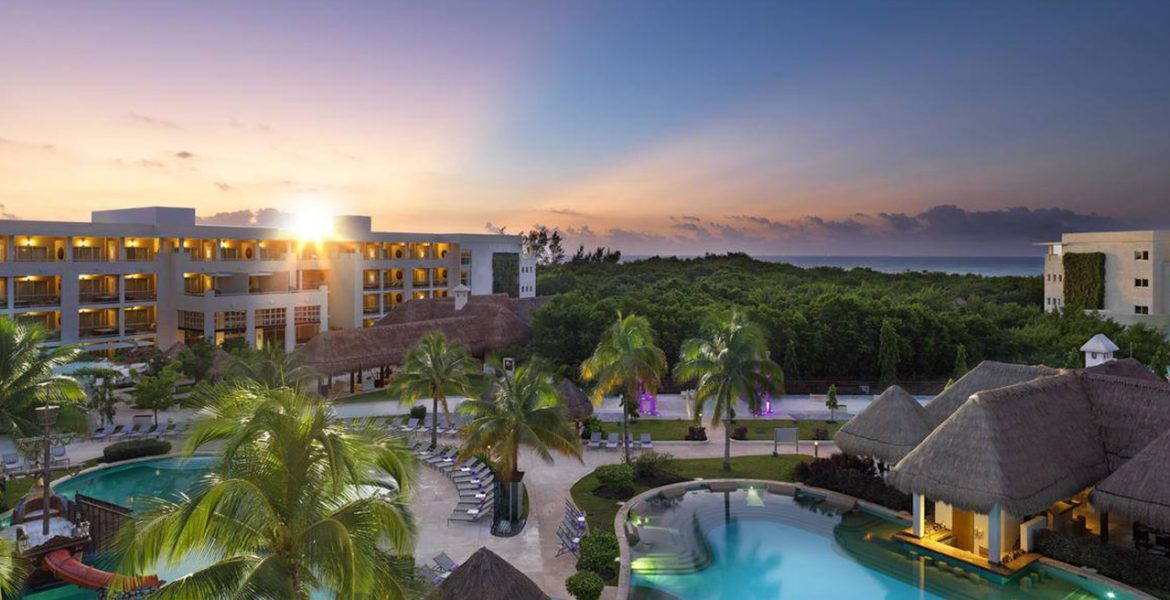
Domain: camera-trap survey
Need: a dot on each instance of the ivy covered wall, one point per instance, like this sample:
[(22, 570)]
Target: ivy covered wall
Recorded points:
[(1084, 280)]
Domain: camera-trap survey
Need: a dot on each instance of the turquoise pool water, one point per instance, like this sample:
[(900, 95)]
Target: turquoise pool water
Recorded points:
[(753, 545)]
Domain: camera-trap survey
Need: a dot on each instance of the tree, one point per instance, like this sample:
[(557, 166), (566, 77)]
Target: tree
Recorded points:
[(887, 354), (27, 378), (435, 369), (729, 362), (791, 365), (519, 410), (157, 392), (1073, 359), (545, 244), (1160, 362), (625, 359), (831, 403), (197, 360), (270, 366), (12, 571), (99, 386), (287, 510), (960, 362)]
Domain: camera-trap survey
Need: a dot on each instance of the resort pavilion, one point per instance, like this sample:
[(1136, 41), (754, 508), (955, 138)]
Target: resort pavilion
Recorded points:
[(1062, 452), (486, 576)]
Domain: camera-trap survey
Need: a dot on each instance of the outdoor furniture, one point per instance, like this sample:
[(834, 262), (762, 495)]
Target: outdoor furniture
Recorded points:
[(569, 544), (595, 439), (612, 442), (410, 425), (445, 563), (168, 430), (645, 441), (59, 456), (118, 430), (134, 432), (629, 440), (470, 515), (13, 463), (99, 433)]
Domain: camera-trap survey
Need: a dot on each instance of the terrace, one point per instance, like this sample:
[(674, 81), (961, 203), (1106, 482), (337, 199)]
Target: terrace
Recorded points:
[(95, 249), (140, 287), (32, 248), (37, 290), (98, 289)]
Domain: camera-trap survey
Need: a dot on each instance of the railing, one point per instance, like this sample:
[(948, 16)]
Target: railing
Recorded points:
[(92, 331), (98, 297), (439, 282), (420, 283), (393, 284), (269, 254), (90, 254), (140, 295), (230, 254), (367, 285), (33, 254), (196, 255), (371, 310), (139, 254), (136, 328), (37, 300)]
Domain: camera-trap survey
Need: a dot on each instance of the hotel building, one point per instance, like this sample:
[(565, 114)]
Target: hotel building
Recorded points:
[(1136, 277), (153, 276)]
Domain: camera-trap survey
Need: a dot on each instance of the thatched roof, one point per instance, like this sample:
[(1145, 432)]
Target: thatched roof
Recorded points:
[(430, 309), (486, 576), (483, 329), (1134, 493), (887, 429), (1021, 447), (220, 363), (987, 375), (577, 404), (1027, 445), (1125, 367)]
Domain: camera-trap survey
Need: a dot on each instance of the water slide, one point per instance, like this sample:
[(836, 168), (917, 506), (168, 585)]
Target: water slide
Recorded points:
[(70, 570)]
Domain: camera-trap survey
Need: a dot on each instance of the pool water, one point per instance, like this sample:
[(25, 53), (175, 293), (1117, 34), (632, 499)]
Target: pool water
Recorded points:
[(753, 545)]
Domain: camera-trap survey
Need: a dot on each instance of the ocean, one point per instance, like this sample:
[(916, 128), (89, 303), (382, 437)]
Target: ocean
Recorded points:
[(990, 266)]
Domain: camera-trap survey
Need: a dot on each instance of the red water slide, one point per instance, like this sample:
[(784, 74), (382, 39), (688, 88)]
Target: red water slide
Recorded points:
[(70, 570)]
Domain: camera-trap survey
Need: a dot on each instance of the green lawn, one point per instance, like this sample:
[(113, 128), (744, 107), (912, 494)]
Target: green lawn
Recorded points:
[(17, 488), (761, 429), (600, 512)]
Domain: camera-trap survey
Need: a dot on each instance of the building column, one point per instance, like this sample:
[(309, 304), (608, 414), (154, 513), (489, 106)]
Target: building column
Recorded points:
[(918, 505), (121, 321), (995, 535), (290, 329), (122, 288), (250, 327), (209, 324), (1103, 524)]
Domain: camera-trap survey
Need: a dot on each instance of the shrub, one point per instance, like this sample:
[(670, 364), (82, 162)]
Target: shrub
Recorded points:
[(615, 477), (820, 433), (739, 433), (652, 463), (585, 585), (599, 550), (591, 425), (128, 449), (418, 411), (852, 475), (1123, 564), (696, 433)]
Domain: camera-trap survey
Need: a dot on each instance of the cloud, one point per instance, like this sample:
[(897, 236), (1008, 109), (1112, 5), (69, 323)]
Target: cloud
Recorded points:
[(246, 217), (21, 145), (151, 121), (492, 228), (183, 154), (225, 187), (5, 215), (150, 164), (260, 127), (566, 211)]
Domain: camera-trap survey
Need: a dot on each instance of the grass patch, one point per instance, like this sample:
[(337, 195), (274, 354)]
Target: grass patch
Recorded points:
[(16, 488), (758, 429)]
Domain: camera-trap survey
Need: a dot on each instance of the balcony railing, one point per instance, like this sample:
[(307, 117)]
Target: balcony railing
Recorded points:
[(371, 310), (421, 283), (92, 331), (439, 282), (370, 285), (90, 254), (37, 300), (271, 254), (140, 295), (33, 254), (98, 297), (393, 284), (139, 254), (137, 328), (230, 254)]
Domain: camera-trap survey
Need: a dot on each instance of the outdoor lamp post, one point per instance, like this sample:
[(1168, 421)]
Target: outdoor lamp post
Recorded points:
[(47, 416), (816, 449)]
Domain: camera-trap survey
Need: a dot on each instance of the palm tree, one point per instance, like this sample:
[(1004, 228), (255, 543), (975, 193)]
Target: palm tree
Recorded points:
[(287, 510), (435, 369), (12, 571), (27, 378), (729, 361), (270, 366), (625, 359), (519, 410)]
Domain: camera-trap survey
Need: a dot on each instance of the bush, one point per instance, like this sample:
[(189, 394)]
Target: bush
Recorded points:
[(852, 475), (418, 411), (128, 449), (591, 425), (1123, 564), (585, 585), (739, 433), (616, 477), (696, 433), (599, 551), (820, 433)]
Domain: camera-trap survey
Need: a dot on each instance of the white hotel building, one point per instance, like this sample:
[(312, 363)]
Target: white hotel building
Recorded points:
[(1137, 274), (152, 276)]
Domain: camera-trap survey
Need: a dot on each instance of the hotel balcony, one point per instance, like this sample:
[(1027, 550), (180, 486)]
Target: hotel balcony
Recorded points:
[(141, 295), (25, 300), (138, 320), (101, 330), (98, 289), (97, 323), (139, 254), (140, 328), (87, 254), (49, 321)]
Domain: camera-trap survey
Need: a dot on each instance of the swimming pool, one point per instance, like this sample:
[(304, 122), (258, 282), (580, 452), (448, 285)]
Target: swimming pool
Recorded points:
[(755, 545)]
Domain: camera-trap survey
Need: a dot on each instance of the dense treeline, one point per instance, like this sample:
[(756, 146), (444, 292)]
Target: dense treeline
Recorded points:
[(824, 323)]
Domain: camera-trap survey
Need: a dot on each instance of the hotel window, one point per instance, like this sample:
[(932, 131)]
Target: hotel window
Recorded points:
[(307, 314), (270, 317), (1142, 283), (1141, 310), (465, 257), (189, 319), (1141, 255), (230, 320), (1060, 277)]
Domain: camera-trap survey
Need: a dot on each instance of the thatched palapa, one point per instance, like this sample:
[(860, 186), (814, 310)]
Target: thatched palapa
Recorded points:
[(1125, 367), (1134, 492), (893, 425), (486, 576), (577, 404), (987, 375)]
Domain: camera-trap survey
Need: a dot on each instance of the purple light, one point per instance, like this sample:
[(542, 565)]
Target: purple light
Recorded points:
[(647, 403)]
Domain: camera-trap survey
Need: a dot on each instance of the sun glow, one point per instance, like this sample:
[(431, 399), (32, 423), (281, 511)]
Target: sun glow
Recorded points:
[(311, 222)]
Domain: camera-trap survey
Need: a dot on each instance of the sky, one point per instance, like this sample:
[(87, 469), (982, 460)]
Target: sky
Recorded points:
[(776, 128)]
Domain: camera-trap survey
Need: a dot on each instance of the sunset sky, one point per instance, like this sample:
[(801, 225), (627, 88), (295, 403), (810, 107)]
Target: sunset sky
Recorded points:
[(934, 128)]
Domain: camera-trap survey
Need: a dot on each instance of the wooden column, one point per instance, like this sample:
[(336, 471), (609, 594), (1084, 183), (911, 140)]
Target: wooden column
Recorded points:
[(995, 535), (918, 502)]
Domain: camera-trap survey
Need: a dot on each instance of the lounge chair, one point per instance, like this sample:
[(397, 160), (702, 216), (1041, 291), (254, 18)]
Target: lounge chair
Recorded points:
[(645, 442), (595, 439), (629, 440), (569, 544), (117, 431), (13, 463), (612, 442), (411, 425), (99, 433), (167, 430), (445, 563), (60, 456), (152, 430), (135, 431), (446, 456), (470, 515)]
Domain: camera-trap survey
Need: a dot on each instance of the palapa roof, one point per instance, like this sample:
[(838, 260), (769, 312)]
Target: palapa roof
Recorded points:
[(1125, 367), (577, 404), (1131, 491), (887, 429), (1099, 343), (483, 325), (486, 576), (1027, 445), (987, 375)]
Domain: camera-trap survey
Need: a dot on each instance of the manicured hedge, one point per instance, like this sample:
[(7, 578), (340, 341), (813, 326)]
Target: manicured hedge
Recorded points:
[(599, 550), (619, 477), (1084, 280), (585, 585), (1135, 568), (129, 449)]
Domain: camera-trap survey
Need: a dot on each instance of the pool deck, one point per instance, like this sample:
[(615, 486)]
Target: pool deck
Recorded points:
[(931, 544)]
